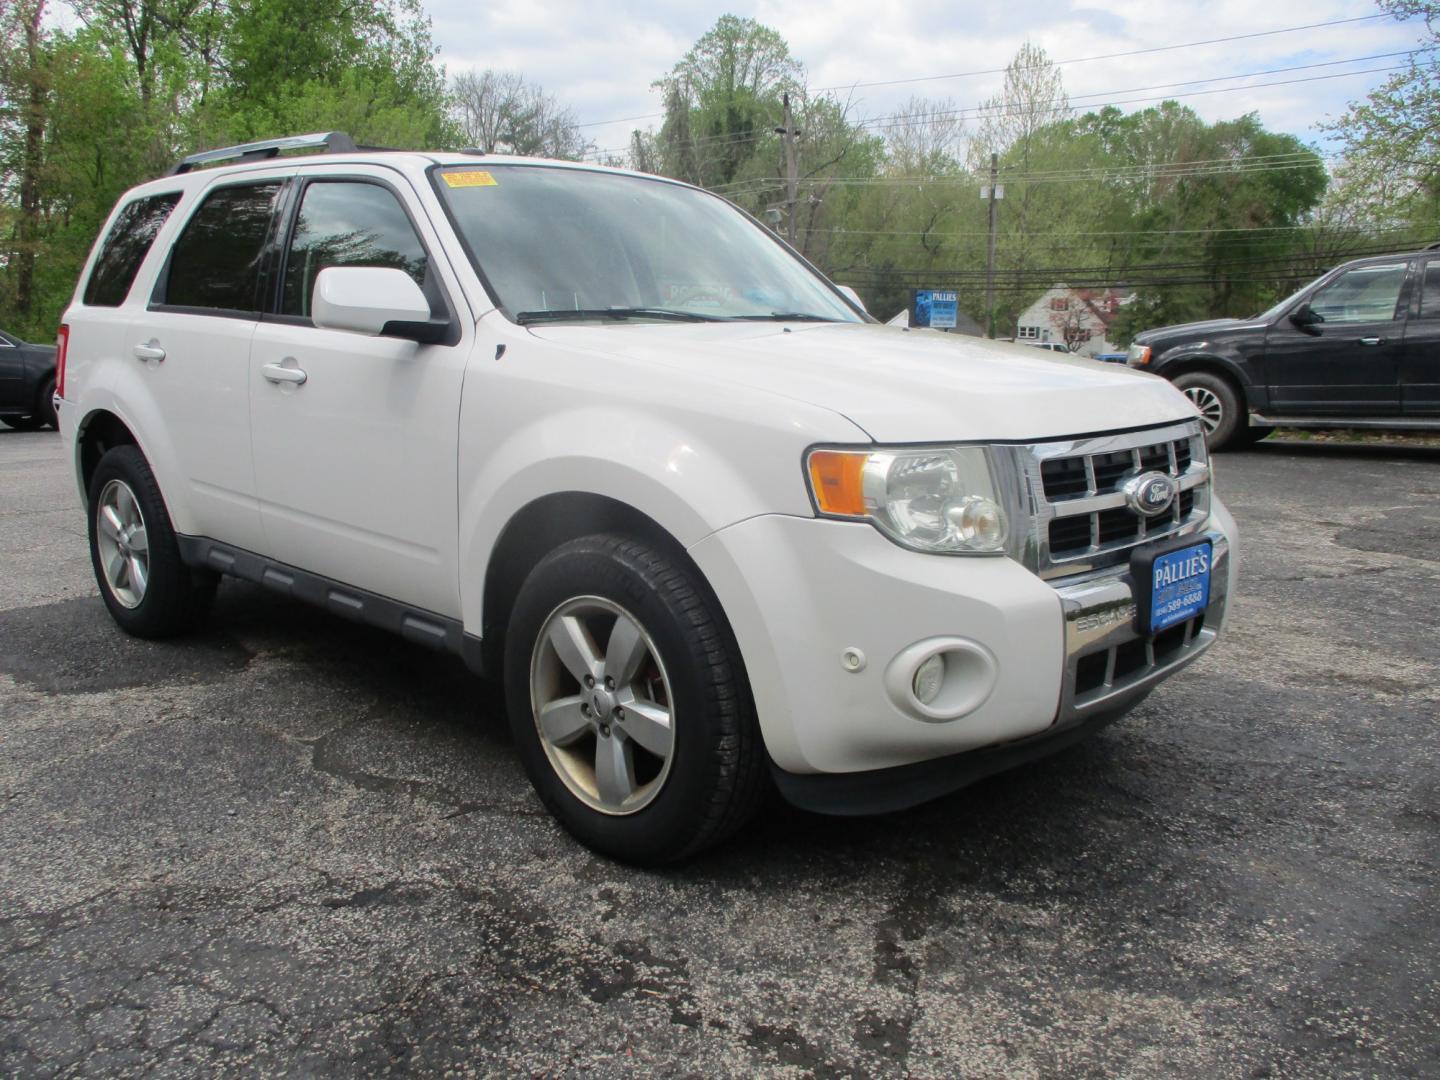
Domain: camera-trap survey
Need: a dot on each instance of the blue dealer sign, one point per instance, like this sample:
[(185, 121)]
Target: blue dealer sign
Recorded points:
[(936, 308)]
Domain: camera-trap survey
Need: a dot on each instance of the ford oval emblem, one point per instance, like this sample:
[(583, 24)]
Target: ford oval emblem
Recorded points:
[(1151, 493)]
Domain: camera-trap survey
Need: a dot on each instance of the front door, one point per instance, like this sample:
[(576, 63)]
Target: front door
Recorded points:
[(1420, 359), (356, 466), (1349, 364)]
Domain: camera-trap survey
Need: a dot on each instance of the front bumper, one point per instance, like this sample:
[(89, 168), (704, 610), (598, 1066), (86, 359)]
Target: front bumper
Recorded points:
[(807, 597)]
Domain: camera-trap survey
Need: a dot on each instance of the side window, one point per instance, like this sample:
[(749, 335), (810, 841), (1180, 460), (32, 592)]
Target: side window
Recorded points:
[(1365, 294), (1430, 291), (126, 247), (216, 261), (348, 223)]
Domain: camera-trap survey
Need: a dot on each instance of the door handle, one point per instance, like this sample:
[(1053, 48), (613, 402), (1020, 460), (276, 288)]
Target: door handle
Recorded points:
[(1372, 341), (149, 350), (279, 373)]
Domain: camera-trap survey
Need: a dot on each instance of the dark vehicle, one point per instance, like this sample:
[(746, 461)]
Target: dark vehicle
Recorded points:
[(27, 383), (1357, 348)]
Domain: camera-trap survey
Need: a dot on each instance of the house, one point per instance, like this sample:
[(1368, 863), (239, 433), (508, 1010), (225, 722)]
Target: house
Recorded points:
[(1078, 318)]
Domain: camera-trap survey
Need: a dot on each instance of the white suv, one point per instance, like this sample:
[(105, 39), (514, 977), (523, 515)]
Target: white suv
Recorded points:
[(607, 437)]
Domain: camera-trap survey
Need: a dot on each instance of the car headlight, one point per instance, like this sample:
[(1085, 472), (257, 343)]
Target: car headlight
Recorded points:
[(1139, 355), (940, 499)]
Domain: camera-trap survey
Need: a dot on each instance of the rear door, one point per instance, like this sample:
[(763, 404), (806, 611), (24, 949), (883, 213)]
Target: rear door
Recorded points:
[(12, 373), (1350, 365), (1420, 359), (194, 343), (356, 467)]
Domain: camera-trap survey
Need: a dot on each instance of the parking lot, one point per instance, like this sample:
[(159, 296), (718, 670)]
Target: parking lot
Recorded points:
[(294, 844)]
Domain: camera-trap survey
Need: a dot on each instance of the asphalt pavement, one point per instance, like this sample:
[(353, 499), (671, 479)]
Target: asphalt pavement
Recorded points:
[(294, 845)]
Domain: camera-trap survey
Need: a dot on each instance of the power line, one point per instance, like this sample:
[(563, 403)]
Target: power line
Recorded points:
[(1108, 56), (985, 111), (1057, 63), (1238, 168)]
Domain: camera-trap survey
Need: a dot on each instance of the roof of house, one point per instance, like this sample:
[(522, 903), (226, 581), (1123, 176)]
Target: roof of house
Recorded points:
[(1096, 299)]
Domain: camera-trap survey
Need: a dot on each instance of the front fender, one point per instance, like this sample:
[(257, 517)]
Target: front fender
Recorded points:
[(690, 481)]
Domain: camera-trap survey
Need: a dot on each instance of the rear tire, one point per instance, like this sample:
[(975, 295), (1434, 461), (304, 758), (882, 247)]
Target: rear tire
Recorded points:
[(45, 406), (666, 758), (1221, 406), (21, 423), (148, 588)]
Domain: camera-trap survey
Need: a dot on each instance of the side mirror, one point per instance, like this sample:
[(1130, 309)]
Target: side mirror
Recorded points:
[(374, 300), (1307, 320), (853, 297)]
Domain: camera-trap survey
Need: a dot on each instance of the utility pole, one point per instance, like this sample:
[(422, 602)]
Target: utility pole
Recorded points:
[(792, 169), (994, 193)]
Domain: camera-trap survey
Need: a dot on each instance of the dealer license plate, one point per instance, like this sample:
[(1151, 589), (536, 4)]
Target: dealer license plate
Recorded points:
[(1173, 581)]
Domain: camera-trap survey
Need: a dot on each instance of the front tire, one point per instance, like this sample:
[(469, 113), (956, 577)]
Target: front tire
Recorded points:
[(1221, 407), (148, 588), (629, 704)]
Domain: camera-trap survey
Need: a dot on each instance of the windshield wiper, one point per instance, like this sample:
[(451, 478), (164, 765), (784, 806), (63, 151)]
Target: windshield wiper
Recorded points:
[(789, 316), (525, 318)]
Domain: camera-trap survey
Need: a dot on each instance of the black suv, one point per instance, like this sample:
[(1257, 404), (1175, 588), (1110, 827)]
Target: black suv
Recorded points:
[(27, 383), (1358, 347)]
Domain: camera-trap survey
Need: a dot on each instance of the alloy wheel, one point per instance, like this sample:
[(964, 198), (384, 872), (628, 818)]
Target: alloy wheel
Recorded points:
[(123, 543), (605, 715), (1212, 409)]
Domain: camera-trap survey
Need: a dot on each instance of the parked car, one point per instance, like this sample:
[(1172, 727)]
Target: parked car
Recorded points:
[(1357, 348), (27, 383), (608, 438), (1050, 346)]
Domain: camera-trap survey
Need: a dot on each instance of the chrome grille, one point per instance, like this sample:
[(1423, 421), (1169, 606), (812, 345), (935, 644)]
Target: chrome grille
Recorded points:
[(1080, 517)]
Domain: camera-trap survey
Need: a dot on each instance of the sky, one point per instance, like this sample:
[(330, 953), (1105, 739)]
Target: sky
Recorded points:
[(601, 58)]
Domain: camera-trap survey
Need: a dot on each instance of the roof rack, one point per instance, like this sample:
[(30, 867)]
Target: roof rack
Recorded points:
[(331, 142)]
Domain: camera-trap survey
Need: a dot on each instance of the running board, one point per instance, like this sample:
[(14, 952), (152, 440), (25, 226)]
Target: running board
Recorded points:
[(438, 632), (1392, 423)]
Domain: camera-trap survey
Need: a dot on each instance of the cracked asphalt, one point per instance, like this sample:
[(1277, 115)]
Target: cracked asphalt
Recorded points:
[(293, 845)]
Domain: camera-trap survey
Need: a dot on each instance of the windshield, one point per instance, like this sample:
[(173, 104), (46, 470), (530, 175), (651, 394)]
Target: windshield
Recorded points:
[(556, 243), (1284, 305)]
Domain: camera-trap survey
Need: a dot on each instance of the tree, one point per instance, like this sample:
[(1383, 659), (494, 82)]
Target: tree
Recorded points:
[(24, 97), (366, 66), (925, 136), (1032, 99), (723, 98), (499, 112), (1391, 139)]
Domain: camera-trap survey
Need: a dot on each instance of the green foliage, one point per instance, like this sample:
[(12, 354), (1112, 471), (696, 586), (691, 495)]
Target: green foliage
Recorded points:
[(723, 99), (1391, 139), (140, 82)]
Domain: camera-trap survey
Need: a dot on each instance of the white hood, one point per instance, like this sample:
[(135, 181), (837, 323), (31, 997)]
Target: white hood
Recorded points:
[(898, 385)]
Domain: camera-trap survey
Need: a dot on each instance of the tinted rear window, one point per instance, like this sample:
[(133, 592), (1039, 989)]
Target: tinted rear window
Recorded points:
[(1430, 292), (216, 261), (126, 247)]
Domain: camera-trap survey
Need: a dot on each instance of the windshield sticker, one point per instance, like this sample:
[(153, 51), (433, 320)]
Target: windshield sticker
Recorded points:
[(471, 178)]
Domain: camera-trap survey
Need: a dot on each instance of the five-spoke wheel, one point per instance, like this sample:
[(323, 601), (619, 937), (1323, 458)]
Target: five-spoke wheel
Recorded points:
[(145, 583), (124, 547), (604, 714), (628, 700)]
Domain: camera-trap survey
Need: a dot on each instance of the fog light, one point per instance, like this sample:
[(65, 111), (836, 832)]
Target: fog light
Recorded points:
[(929, 678), (941, 678)]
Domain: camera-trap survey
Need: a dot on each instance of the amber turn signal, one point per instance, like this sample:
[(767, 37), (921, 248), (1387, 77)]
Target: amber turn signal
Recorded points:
[(837, 478)]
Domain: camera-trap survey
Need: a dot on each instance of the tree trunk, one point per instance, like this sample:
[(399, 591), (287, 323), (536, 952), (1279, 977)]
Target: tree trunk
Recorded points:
[(30, 162)]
